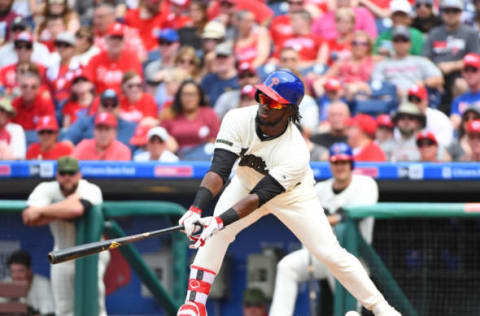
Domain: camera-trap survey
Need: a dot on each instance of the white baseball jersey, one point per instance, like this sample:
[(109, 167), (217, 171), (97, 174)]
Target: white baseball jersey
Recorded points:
[(286, 157), (63, 231), (48, 193), (363, 190)]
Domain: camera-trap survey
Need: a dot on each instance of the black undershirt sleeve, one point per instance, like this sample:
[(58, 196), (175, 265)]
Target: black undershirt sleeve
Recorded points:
[(222, 163), (267, 189), (87, 205)]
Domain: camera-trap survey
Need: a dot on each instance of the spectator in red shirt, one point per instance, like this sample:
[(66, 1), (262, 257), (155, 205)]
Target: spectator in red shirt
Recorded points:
[(104, 145), (310, 47), (80, 100), (360, 134), (23, 45), (177, 18), (136, 105), (106, 69), (61, 74), (147, 19), (193, 123), (281, 27), (103, 19), (48, 148), (32, 103), (252, 43), (222, 9)]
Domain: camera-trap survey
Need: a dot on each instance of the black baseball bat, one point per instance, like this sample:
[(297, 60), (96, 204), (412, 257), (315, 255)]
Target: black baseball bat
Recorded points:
[(79, 251)]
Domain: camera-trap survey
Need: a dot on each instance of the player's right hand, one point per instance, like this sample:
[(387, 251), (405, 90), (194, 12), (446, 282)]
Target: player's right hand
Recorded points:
[(189, 219)]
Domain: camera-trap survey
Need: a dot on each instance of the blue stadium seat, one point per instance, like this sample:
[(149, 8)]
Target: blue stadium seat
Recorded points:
[(382, 100)]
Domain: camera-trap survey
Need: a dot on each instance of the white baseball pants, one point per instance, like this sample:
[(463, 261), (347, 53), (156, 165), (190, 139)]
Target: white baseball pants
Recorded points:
[(306, 219)]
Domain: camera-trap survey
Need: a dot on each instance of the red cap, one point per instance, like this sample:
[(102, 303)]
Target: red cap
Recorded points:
[(472, 60), (47, 123), (419, 91), (24, 37), (107, 119), (385, 121), (365, 122), (248, 90), (426, 135), (246, 67), (116, 29), (473, 127), (333, 84), (140, 137)]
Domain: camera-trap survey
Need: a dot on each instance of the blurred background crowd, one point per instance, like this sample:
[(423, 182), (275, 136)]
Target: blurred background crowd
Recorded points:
[(150, 80)]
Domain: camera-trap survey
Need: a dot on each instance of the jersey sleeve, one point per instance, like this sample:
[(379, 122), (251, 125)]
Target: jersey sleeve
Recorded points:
[(92, 193), (40, 196), (228, 137)]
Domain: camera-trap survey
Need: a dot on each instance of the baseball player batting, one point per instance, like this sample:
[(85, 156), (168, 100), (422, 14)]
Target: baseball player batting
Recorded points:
[(273, 176)]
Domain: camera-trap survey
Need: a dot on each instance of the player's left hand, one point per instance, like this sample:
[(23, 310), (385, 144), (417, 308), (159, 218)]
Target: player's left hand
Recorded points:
[(211, 225)]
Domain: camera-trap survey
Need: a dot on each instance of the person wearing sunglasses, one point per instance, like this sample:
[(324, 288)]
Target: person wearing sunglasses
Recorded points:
[(135, 104), (8, 56), (84, 126), (408, 120), (32, 103), (60, 74), (168, 46), (103, 145), (429, 148), (48, 147), (23, 45), (447, 45), (403, 69), (471, 74), (401, 14), (436, 121), (106, 69), (59, 203), (425, 19), (263, 137)]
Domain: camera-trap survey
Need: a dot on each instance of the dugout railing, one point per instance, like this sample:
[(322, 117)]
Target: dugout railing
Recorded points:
[(91, 226), (425, 257)]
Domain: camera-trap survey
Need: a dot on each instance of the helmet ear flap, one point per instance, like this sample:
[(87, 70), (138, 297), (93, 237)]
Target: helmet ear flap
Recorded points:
[(256, 96)]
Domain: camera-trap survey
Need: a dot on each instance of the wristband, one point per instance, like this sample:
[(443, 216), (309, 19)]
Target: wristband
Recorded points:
[(229, 216), (202, 198), (195, 210)]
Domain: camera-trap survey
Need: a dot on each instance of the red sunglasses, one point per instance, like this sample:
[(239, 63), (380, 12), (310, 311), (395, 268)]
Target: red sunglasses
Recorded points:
[(272, 104)]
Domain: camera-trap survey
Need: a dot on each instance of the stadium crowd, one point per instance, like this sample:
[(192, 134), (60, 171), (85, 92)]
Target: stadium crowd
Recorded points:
[(399, 80)]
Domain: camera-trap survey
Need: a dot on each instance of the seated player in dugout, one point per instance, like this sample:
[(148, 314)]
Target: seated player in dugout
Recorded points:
[(58, 203), (273, 176), (39, 297), (343, 189)]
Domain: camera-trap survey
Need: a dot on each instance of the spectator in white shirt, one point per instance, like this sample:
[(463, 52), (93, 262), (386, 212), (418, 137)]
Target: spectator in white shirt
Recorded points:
[(12, 136), (437, 122), (156, 147), (40, 54)]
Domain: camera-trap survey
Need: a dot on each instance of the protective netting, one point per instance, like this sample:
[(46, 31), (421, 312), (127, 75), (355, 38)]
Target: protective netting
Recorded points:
[(435, 263)]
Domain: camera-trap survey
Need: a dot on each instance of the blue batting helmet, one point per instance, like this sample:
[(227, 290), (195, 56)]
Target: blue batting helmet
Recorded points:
[(282, 86), (340, 152)]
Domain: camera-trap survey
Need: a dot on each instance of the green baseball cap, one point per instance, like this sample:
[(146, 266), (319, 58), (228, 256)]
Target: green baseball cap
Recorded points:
[(67, 164), (254, 297)]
